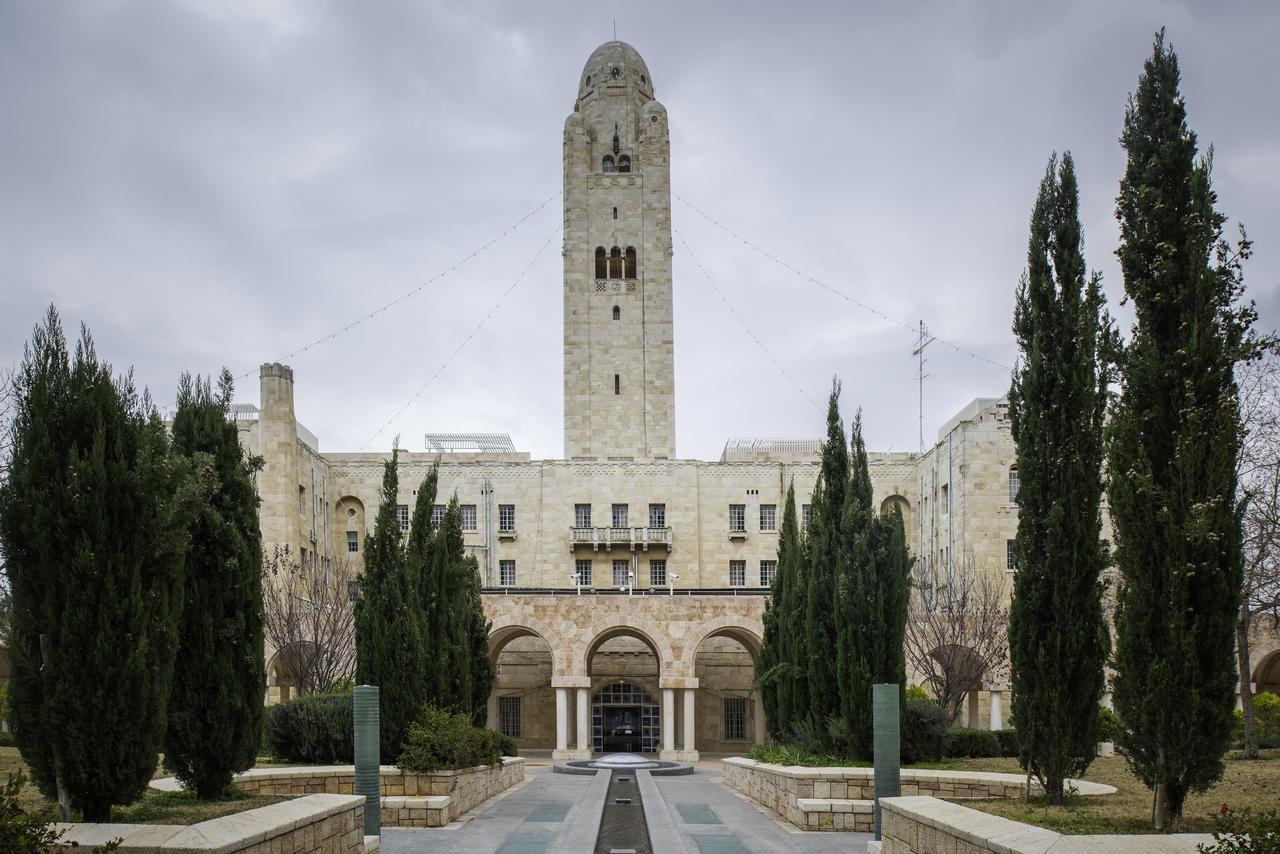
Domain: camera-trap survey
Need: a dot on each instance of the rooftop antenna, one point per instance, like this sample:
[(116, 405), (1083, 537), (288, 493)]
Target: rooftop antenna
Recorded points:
[(615, 29), (923, 340)]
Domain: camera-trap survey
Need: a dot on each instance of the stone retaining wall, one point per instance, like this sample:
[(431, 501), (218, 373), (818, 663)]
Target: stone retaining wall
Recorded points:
[(841, 798), (316, 824), (924, 825)]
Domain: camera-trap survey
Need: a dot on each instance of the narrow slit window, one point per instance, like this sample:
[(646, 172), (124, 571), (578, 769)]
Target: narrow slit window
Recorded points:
[(615, 263), (617, 383), (615, 213), (617, 313)]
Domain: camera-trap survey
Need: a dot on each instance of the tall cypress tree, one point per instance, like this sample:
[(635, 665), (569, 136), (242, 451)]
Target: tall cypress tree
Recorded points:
[(215, 708), (780, 670), (389, 648), (93, 524), (1173, 444), (856, 582), (418, 554), (477, 627), (1058, 639), (826, 556), (450, 683)]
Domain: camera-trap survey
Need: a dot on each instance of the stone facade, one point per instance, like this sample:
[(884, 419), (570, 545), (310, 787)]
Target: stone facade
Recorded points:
[(621, 519)]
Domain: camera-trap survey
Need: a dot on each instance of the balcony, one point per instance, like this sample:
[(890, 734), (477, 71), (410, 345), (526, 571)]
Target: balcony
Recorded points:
[(607, 538), (506, 533), (736, 533)]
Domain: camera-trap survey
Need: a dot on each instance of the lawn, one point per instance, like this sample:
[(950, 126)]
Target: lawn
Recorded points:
[(154, 808), (1246, 783)]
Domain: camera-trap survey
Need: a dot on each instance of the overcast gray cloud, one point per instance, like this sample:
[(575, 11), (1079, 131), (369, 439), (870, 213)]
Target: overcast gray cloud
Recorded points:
[(210, 183)]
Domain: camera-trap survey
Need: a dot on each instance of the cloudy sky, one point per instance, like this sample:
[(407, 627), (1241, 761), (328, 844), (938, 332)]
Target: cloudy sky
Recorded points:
[(222, 183)]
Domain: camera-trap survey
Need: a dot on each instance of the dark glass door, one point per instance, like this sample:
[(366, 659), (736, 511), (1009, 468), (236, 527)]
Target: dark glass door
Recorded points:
[(621, 729)]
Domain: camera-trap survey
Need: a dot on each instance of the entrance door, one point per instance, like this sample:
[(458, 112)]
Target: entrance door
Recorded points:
[(622, 729)]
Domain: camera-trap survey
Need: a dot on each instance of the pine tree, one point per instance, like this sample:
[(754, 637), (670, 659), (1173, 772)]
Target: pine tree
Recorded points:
[(826, 556), (93, 524), (389, 649), (1058, 639), (215, 707), (1173, 445)]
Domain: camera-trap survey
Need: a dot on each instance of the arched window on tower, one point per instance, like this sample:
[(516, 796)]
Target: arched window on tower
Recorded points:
[(630, 272), (615, 263), (624, 163), (602, 263), (617, 313), (607, 164), (1013, 484)]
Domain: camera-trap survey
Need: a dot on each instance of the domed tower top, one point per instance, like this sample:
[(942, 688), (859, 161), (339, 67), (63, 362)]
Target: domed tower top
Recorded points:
[(615, 64)]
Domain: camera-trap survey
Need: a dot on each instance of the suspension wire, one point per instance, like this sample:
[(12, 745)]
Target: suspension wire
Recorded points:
[(745, 326), (465, 341), (811, 279), (414, 291)]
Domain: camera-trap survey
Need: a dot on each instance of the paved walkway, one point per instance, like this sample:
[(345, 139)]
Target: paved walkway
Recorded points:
[(561, 813)]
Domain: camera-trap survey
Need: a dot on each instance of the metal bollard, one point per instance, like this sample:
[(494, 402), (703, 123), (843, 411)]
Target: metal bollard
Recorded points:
[(886, 740), (368, 762)]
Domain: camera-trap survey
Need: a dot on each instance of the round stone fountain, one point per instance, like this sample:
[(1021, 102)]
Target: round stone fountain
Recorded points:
[(623, 762)]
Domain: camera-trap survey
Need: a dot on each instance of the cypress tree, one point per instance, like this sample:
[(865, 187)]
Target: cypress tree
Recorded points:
[(855, 602), (450, 685), (418, 555), (826, 555), (892, 600), (215, 707), (1058, 639), (389, 648), (780, 670), (93, 524), (1173, 445), (479, 663)]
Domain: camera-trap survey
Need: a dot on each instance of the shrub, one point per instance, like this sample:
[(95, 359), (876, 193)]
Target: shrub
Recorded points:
[(316, 729), (1266, 715), (915, 692), (1008, 739), (6, 739), (506, 745), (924, 731), (440, 740), (1108, 724), (22, 832), (972, 743), (774, 753), (1245, 832)]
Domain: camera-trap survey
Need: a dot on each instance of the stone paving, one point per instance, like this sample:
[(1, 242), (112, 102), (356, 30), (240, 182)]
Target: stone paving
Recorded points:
[(551, 813)]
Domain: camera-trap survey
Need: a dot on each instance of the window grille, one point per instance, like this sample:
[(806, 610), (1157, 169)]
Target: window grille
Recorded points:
[(353, 541), (657, 515), (735, 718), (437, 515), (509, 717), (1008, 556), (620, 569), (402, 514), (506, 517), (768, 569), (620, 515), (768, 517), (583, 569), (804, 515), (507, 573), (1013, 484), (737, 573), (582, 515), (657, 573), (468, 517), (738, 518)]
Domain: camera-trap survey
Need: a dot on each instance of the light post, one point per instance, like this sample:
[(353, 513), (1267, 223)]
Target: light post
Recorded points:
[(576, 578)]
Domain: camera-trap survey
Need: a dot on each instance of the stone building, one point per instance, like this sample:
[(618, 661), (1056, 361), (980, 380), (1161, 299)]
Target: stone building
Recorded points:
[(625, 584)]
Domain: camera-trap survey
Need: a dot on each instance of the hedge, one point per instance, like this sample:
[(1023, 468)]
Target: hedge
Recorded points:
[(314, 729), (972, 743), (443, 741)]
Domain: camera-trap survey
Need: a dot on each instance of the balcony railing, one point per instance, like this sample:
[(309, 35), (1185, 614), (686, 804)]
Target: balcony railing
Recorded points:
[(632, 538)]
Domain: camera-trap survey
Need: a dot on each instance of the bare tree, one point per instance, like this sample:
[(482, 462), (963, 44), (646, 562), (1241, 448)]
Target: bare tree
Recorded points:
[(957, 634), (1259, 384), (309, 611)]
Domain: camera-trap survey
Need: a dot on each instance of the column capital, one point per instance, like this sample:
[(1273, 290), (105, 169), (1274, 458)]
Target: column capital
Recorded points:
[(678, 682)]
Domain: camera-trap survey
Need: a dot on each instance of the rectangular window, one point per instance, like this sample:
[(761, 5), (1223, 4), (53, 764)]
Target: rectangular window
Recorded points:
[(657, 573), (353, 591), (620, 515), (506, 517), (946, 500), (657, 515), (402, 514), (617, 383), (509, 716), (507, 573), (737, 573), (735, 718), (620, 569), (583, 569), (468, 517), (1008, 556), (353, 541), (768, 517), (738, 518), (437, 515), (302, 499), (1013, 484), (582, 515), (768, 569), (804, 515)]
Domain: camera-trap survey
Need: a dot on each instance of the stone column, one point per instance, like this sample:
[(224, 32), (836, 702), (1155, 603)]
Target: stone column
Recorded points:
[(689, 752), (492, 707), (668, 725), (562, 722), (761, 732), (584, 721), (974, 715), (997, 709)]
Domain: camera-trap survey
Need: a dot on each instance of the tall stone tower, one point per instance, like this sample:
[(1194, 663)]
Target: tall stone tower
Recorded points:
[(619, 363)]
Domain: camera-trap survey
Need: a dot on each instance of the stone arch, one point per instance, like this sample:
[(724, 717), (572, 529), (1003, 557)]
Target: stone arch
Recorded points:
[(506, 628), (616, 625), (1266, 674), (744, 630), (900, 501)]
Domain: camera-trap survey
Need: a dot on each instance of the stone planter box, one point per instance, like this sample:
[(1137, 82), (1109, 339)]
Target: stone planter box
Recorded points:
[(315, 824), (408, 800), (924, 825), (842, 798)]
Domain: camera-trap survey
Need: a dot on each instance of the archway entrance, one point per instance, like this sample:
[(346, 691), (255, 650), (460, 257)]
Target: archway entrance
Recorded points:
[(625, 719), (729, 716), (521, 700)]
